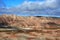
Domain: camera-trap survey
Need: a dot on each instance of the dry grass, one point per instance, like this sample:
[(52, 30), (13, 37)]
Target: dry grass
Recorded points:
[(49, 27), (31, 21)]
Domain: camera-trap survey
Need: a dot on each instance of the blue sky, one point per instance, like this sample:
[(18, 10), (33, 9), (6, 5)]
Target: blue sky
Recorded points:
[(12, 3), (33, 7)]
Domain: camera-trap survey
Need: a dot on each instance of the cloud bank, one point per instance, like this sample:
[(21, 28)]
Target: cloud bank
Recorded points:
[(37, 8)]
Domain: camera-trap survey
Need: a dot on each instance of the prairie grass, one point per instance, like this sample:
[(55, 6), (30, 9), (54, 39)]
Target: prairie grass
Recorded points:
[(31, 22)]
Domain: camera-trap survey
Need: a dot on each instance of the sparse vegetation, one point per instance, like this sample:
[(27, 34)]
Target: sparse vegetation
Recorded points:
[(36, 23)]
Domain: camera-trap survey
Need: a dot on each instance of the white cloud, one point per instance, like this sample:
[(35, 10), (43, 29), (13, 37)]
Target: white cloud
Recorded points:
[(51, 3), (40, 5), (48, 7)]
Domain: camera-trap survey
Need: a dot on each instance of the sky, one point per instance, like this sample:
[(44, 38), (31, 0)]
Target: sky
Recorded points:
[(33, 7), (12, 3)]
